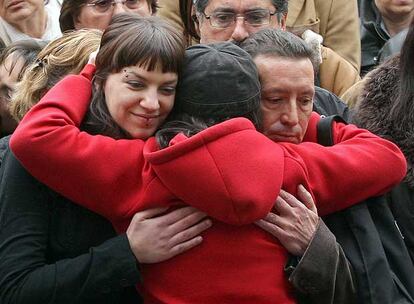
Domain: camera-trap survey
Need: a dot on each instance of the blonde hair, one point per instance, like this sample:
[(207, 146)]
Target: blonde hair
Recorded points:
[(62, 56)]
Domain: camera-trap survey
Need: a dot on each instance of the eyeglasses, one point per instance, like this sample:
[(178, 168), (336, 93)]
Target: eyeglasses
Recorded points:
[(254, 18), (103, 6)]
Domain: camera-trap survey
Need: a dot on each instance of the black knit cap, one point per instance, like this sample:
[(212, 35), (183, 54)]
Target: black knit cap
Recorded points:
[(217, 81)]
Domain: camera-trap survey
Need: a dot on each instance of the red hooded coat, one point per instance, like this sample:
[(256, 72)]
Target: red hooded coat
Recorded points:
[(230, 171)]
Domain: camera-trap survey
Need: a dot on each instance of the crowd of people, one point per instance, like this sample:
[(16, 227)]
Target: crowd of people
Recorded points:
[(170, 151)]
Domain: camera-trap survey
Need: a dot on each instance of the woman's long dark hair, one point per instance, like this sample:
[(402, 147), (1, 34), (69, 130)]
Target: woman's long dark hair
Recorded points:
[(402, 112), (148, 42), (191, 125)]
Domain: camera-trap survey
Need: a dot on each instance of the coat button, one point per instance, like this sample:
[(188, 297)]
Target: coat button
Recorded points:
[(124, 283)]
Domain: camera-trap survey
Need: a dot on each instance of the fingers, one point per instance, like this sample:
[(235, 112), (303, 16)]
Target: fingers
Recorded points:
[(187, 221), (149, 213), (176, 215), (92, 57), (182, 247), (271, 228), (190, 233), (290, 199), (281, 206), (307, 199)]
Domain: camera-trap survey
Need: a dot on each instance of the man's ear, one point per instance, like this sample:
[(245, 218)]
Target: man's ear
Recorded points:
[(196, 23), (195, 20), (283, 22)]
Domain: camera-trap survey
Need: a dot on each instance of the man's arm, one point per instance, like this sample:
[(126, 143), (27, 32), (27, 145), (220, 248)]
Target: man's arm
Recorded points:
[(359, 160), (322, 273)]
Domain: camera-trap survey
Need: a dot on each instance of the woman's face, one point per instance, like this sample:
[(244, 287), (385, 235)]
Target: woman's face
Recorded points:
[(9, 74), (16, 11), (139, 100), (98, 16)]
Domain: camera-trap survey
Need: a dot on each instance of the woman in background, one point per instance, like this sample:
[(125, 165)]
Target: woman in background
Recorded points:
[(386, 108), (77, 14)]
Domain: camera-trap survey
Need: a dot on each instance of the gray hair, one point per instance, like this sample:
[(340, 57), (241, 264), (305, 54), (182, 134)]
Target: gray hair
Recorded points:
[(276, 42)]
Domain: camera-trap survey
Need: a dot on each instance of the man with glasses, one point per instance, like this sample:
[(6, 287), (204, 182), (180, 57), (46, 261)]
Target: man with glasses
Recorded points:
[(335, 73), (235, 20)]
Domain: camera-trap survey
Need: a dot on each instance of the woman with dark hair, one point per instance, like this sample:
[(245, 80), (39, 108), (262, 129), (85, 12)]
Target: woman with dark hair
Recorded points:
[(52, 251), (386, 108), (77, 14)]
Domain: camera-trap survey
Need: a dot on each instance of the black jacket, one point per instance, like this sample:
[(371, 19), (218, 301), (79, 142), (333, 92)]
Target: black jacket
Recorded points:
[(373, 37), (53, 251), (327, 104)]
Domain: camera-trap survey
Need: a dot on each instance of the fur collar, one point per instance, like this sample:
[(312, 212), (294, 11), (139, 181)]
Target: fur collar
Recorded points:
[(372, 111)]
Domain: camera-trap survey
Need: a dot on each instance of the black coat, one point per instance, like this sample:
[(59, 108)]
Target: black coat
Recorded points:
[(379, 94), (53, 251), (373, 37), (327, 103)]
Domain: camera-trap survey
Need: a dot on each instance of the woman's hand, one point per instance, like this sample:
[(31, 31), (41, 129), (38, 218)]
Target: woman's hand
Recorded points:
[(155, 239), (293, 223), (92, 57)]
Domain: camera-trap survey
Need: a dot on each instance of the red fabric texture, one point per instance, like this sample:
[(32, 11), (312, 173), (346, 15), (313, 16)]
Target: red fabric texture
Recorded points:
[(230, 171)]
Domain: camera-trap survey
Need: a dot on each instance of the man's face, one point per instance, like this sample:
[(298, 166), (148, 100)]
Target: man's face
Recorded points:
[(240, 30), (15, 11), (395, 9), (287, 96)]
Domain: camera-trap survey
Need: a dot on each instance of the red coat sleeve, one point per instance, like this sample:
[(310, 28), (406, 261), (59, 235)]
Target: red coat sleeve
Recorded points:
[(360, 165), (84, 168)]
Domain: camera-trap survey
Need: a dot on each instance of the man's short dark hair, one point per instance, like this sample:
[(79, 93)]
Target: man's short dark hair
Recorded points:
[(278, 43)]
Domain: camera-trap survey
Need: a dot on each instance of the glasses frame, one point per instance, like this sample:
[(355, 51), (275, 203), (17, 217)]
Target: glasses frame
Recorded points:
[(113, 2), (235, 16)]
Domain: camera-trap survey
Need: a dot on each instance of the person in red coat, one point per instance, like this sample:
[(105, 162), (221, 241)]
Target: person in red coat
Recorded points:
[(229, 170)]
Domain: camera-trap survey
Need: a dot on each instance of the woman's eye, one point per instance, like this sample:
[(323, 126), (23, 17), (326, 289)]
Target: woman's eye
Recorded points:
[(135, 84), (168, 90)]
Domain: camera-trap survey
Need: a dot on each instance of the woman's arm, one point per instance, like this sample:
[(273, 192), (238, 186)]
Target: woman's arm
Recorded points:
[(29, 241), (51, 147), (28, 271)]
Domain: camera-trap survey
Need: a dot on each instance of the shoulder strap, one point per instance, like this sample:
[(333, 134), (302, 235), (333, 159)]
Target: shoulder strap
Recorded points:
[(324, 129)]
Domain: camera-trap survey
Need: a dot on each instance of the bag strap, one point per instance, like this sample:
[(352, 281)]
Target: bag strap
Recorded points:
[(324, 129)]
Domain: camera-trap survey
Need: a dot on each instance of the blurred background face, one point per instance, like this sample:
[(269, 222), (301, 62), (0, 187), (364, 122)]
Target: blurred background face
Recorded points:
[(98, 13), (9, 74), (14, 11), (395, 9), (240, 29)]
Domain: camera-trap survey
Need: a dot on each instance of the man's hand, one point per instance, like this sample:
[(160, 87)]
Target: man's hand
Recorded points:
[(156, 239), (293, 222)]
